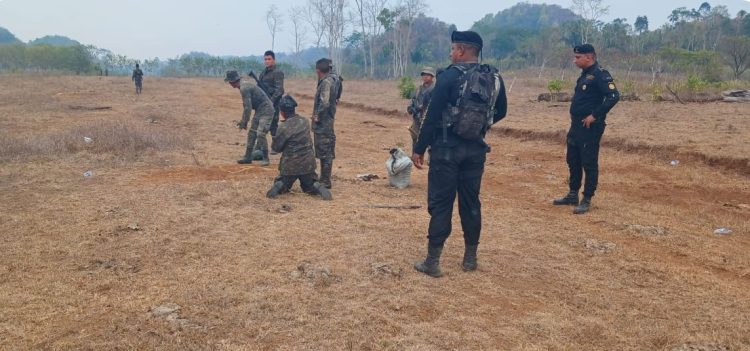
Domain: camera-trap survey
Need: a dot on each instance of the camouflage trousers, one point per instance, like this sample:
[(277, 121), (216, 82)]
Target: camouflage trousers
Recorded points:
[(138, 86), (256, 135), (306, 182), (324, 139), (416, 125)]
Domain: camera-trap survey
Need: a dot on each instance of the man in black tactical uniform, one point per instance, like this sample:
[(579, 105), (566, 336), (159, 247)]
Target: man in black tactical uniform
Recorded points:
[(595, 94), (456, 163)]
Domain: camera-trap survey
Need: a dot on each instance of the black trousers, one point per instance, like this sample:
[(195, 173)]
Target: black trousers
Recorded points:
[(455, 169), (583, 156), (306, 181)]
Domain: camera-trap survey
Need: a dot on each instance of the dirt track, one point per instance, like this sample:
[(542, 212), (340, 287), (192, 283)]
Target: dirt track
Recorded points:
[(87, 261)]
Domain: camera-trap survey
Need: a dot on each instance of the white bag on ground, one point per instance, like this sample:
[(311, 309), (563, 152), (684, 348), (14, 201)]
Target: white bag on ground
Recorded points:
[(399, 169)]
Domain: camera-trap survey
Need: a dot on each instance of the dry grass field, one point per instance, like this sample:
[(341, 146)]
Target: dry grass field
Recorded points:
[(171, 245)]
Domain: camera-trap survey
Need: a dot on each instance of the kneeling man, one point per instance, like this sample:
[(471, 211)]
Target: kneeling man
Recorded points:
[(294, 142)]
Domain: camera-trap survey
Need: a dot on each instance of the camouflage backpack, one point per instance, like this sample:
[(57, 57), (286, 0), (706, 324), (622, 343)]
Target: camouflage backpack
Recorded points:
[(472, 115)]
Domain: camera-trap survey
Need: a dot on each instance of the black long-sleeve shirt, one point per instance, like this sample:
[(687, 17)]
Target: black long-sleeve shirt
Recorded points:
[(595, 94), (444, 94)]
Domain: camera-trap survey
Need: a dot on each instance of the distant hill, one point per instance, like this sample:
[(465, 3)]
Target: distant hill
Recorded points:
[(6, 37), (54, 40), (525, 16)]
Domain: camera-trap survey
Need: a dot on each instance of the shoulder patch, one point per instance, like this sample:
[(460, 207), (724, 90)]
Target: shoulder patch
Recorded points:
[(612, 86), (590, 77)]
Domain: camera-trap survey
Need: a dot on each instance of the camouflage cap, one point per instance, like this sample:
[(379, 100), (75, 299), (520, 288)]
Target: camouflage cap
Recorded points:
[(232, 76), (287, 103), (584, 49), (427, 70)]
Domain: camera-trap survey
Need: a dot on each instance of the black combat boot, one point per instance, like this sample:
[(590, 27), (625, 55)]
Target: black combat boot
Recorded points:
[(248, 158), (325, 172), (470, 258), (570, 199), (431, 264), (324, 193), (264, 161), (584, 206), (257, 155), (275, 189)]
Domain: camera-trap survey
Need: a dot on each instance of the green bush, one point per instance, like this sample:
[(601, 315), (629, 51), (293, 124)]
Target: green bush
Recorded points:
[(627, 87), (656, 93), (555, 86), (696, 84), (406, 87)]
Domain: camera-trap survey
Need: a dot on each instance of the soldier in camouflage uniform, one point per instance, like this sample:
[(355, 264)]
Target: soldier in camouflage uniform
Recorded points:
[(293, 141), (253, 98), (324, 111), (419, 103), (273, 79), (137, 77)]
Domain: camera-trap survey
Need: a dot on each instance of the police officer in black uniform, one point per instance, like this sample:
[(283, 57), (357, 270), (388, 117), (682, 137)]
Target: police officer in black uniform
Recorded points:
[(595, 94), (456, 164)]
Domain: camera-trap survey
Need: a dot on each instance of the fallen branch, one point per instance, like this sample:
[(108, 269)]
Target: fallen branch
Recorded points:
[(674, 94), (89, 108), (398, 207)]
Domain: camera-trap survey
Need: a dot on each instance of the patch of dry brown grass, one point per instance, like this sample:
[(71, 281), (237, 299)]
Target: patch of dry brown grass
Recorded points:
[(86, 262), (122, 139)]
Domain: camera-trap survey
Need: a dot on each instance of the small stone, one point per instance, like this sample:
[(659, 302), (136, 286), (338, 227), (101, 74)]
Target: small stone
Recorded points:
[(165, 309), (367, 176), (647, 229), (134, 227)]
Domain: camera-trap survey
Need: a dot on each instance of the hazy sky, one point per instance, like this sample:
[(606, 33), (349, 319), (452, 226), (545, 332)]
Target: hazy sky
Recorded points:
[(168, 28)]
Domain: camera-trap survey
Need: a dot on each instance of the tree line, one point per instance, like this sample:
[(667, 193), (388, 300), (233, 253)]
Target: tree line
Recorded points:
[(393, 38)]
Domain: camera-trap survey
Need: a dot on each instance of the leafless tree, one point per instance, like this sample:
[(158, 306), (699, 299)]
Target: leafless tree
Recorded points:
[(373, 9), (315, 20), (298, 28), (591, 11), (274, 21), (406, 11), (331, 14), (736, 53)]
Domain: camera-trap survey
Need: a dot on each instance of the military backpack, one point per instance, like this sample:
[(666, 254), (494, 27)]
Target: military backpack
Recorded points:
[(472, 116)]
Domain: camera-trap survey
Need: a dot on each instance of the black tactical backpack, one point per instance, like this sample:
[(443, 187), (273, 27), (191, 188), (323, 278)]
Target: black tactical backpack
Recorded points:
[(473, 113)]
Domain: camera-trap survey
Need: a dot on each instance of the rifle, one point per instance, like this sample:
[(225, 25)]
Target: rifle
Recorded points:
[(266, 89), (414, 109)]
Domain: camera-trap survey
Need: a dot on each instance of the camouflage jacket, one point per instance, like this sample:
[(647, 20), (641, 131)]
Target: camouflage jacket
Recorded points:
[(420, 101), (274, 80), (294, 142), (253, 98), (137, 75), (327, 97)]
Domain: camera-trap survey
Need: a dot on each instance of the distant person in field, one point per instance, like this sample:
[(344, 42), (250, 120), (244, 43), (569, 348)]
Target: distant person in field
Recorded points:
[(324, 112), (595, 95), (273, 79), (420, 101), (253, 98), (294, 142), (137, 77)]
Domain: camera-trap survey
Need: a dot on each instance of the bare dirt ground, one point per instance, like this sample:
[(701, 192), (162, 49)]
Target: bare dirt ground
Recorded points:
[(173, 246)]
